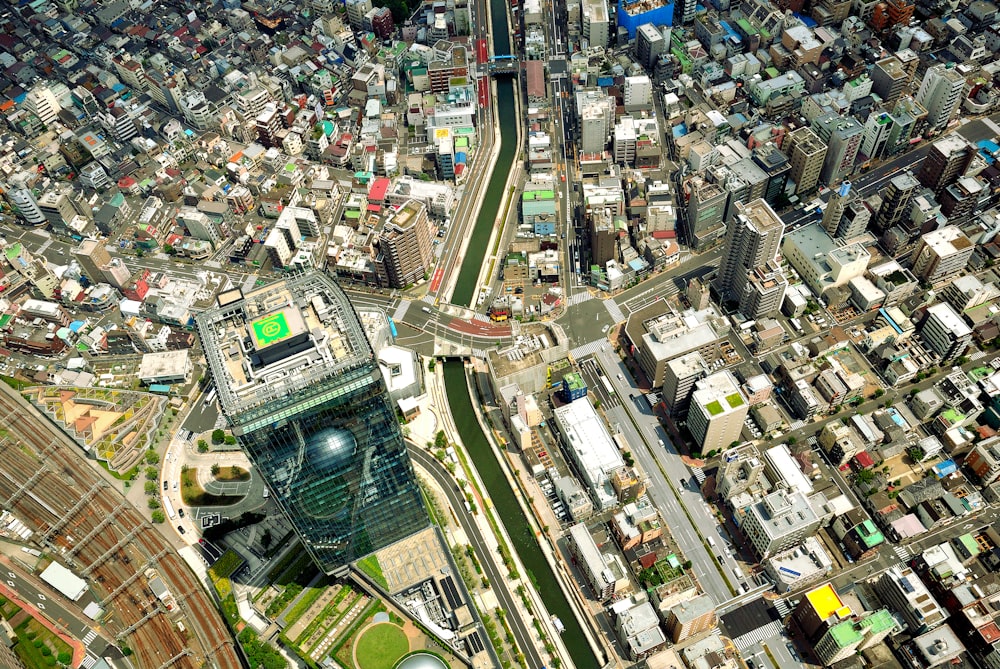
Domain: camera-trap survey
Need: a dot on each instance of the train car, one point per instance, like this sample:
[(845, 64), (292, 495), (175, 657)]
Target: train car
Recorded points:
[(392, 326)]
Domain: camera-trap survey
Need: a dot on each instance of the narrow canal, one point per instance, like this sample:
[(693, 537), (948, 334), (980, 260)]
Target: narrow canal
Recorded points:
[(475, 256), (511, 515)]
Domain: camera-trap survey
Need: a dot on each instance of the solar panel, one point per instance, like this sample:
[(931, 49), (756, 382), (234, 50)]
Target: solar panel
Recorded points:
[(905, 584), (448, 586)]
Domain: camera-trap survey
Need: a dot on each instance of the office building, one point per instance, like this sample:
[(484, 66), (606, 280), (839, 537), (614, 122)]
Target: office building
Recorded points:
[(878, 130), (42, 102), (846, 215), (57, 207), (602, 572), (679, 377), (691, 617), (779, 521), (706, 211), (717, 411), (896, 199), (301, 389), (806, 153), (591, 449), (945, 332), (824, 263), (596, 112), (889, 80), (356, 11), (649, 45), (843, 136), (941, 254), (403, 248), (747, 269), (947, 160), (940, 93), (93, 259), (902, 589)]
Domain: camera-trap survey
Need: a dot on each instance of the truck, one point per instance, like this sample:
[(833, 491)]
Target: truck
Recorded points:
[(711, 542)]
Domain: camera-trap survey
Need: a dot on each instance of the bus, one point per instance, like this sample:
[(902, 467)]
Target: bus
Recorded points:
[(210, 397), (169, 506), (607, 385)]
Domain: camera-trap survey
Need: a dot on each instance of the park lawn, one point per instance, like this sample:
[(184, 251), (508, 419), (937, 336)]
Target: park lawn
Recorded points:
[(194, 495), (8, 609), (34, 656), (381, 646), (232, 473)]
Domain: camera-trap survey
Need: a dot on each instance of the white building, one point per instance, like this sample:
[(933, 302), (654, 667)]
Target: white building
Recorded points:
[(939, 93), (596, 22), (592, 449), (802, 564), (638, 93), (779, 521), (167, 367), (945, 332), (941, 253)]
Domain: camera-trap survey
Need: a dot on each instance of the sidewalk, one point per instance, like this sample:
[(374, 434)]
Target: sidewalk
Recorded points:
[(79, 651)]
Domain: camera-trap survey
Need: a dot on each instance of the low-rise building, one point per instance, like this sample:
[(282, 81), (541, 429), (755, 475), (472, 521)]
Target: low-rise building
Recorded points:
[(692, 617)]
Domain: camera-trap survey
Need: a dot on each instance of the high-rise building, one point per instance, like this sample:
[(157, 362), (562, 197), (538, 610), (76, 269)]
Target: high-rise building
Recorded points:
[(748, 260), (717, 411), (684, 12), (403, 248), (939, 93), (356, 10), (847, 637), (42, 102), (741, 470), (691, 617), (93, 257), (706, 211), (806, 152), (57, 207), (596, 22), (878, 129), (596, 118), (679, 377), (301, 389), (941, 254), (901, 588), (843, 136), (649, 45), (947, 159), (896, 200), (945, 332), (889, 80), (26, 204), (846, 216)]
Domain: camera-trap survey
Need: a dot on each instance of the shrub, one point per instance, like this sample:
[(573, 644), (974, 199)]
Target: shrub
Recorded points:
[(218, 436)]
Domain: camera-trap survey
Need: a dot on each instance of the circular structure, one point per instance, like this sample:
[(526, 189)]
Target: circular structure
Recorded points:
[(420, 660), (332, 449), (381, 646)]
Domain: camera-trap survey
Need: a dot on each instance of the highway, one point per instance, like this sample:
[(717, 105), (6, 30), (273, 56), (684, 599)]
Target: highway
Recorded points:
[(522, 630)]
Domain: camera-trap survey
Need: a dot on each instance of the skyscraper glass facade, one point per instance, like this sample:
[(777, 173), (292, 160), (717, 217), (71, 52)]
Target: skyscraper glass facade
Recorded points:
[(310, 407)]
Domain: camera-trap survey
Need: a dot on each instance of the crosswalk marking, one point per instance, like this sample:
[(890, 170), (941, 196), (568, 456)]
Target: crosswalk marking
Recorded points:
[(699, 475), (902, 552), (781, 606), (772, 629), (978, 354), (429, 299), (91, 635), (483, 318), (590, 348), (88, 661), (400, 312), (614, 310), (578, 298)]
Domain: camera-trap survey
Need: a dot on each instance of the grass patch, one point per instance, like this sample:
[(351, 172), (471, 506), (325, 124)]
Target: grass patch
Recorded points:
[(734, 400), (226, 565), (285, 573), (342, 648), (292, 590), (370, 567), (308, 599), (16, 384), (714, 408), (8, 609), (121, 476), (381, 646), (37, 646), (194, 495), (233, 473)]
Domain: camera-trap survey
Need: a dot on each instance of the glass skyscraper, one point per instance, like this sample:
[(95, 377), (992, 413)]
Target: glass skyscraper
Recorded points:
[(301, 389)]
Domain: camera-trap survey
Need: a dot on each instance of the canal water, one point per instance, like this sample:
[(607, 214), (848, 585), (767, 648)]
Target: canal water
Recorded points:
[(475, 256), (511, 516)]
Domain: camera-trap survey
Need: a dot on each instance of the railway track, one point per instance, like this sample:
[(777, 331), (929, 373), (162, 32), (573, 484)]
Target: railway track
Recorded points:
[(46, 483)]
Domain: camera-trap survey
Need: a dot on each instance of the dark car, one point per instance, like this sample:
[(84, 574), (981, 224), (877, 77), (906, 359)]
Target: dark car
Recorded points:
[(180, 512), (180, 529), (165, 485)]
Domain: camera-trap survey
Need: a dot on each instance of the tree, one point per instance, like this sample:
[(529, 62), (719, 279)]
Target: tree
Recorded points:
[(152, 457), (215, 469), (234, 471), (440, 439), (230, 440), (915, 453), (218, 436), (792, 441), (202, 446), (153, 502), (878, 393), (151, 473), (150, 487), (866, 476)]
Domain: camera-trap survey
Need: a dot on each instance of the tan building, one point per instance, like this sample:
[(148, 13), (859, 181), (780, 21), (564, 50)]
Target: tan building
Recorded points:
[(941, 254), (806, 153), (691, 617), (402, 252), (717, 411)]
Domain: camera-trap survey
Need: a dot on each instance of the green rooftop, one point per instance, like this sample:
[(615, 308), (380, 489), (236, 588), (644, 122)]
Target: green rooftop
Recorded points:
[(734, 400), (952, 416), (13, 251), (5, 318), (870, 534), (878, 622), (713, 408), (971, 545), (574, 381), (844, 634), (530, 195)]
